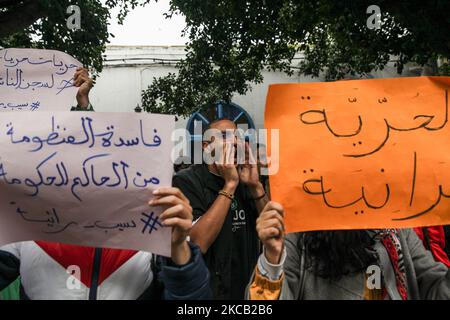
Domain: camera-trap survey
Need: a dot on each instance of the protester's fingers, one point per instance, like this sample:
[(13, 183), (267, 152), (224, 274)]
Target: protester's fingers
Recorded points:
[(271, 215), (230, 153), (77, 74), (269, 233), (251, 156), (178, 210), (247, 153), (239, 155), (167, 191), (219, 153), (81, 72), (222, 154), (227, 153), (166, 201), (85, 79), (272, 223), (271, 205), (82, 78), (76, 80), (79, 81), (183, 224)]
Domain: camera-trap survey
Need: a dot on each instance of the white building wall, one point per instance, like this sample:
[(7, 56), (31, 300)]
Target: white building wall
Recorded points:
[(129, 70)]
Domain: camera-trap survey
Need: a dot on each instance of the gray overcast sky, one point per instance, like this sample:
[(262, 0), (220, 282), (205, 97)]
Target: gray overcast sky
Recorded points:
[(147, 26)]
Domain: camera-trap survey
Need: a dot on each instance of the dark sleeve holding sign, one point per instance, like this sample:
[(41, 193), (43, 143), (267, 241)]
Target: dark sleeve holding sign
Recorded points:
[(187, 282)]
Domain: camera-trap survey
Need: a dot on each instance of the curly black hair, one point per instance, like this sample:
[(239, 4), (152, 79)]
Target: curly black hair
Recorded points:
[(334, 254)]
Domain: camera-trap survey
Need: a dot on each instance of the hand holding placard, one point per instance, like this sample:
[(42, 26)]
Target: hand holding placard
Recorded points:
[(362, 154)]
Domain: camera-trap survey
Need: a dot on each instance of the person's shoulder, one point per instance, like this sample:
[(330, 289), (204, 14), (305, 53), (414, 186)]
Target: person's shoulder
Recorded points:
[(409, 236), (406, 233)]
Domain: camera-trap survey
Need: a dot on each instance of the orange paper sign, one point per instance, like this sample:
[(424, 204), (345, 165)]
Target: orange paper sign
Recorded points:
[(362, 154)]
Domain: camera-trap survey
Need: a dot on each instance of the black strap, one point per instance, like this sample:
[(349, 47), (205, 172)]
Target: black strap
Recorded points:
[(426, 238), (447, 240)]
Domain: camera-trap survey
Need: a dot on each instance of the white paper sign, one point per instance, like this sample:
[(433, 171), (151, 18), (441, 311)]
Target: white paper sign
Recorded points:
[(84, 178), (36, 80)]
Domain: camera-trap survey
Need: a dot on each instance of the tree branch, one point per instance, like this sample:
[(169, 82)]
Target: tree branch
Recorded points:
[(8, 3), (20, 17)]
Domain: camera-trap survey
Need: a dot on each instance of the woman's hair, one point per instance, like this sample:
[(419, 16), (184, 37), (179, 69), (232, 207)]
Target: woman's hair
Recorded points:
[(333, 254)]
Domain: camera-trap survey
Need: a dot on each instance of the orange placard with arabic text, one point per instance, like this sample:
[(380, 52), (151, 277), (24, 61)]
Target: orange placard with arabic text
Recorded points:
[(362, 154)]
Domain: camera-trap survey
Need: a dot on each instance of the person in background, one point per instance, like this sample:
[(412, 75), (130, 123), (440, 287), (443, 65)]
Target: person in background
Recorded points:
[(433, 239), (111, 273), (447, 240), (226, 198), (384, 264)]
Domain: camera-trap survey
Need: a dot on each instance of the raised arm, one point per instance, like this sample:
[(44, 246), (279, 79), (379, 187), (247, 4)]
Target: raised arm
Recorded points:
[(278, 272), (185, 275), (84, 84), (210, 220)]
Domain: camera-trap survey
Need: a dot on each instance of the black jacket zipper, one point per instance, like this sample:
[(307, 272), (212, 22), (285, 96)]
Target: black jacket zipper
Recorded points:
[(95, 274)]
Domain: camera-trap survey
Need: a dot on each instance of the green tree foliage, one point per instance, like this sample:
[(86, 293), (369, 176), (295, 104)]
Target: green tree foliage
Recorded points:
[(232, 41), (43, 24)]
